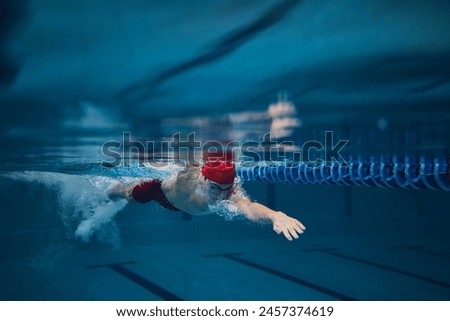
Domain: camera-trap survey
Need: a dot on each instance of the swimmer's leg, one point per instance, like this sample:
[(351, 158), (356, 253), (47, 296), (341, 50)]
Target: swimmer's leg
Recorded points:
[(121, 191)]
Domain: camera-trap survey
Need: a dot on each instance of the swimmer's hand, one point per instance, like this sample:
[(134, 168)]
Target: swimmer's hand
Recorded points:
[(290, 227)]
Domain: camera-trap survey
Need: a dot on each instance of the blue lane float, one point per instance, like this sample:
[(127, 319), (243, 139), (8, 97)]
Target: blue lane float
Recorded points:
[(392, 172)]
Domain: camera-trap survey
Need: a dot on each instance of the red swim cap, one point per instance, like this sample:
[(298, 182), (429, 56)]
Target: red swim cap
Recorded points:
[(219, 172)]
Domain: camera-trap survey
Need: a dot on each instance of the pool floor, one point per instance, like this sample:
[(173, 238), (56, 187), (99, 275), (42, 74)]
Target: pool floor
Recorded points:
[(311, 268)]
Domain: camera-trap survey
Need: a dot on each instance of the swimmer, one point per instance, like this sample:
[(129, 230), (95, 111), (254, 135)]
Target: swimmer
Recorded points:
[(193, 189)]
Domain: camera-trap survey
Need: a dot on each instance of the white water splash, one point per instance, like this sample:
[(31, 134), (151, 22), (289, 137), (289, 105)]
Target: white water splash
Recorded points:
[(84, 206), (227, 208)]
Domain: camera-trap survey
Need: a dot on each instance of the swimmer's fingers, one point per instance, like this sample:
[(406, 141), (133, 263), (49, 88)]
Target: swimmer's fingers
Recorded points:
[(282, 229), (287, 235), (294, 227), (293, 232), (277, 229), (298, 226), (287, 229), (290, 227)]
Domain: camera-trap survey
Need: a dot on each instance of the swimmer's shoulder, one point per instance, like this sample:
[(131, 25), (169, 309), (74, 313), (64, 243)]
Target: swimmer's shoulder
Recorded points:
[(190, 171), (237, 193)]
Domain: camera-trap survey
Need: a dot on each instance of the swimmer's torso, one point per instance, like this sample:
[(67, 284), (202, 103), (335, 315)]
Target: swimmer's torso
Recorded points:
[(188, 191)]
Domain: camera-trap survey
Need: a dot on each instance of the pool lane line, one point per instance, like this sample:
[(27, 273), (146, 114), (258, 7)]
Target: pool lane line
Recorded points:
[(333, 252), (136, 278), (420, 249), (318, 288)]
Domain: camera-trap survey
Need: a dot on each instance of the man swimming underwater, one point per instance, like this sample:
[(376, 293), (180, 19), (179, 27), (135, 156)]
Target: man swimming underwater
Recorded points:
[(194, 189)]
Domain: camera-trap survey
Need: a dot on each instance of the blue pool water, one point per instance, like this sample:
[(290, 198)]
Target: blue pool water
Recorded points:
[(85, 82)]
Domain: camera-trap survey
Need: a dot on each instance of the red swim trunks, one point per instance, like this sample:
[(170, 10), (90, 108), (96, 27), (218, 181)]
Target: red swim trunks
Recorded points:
[(151, 191)]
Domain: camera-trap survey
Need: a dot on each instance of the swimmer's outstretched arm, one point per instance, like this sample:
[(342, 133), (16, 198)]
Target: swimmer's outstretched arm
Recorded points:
[(290, 227)]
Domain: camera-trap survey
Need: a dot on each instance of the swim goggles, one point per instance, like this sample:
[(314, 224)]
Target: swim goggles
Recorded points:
[(218, 187)]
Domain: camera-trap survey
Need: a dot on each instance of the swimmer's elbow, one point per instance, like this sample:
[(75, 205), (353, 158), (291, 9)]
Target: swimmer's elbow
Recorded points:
[(243, 202), (245, 207)]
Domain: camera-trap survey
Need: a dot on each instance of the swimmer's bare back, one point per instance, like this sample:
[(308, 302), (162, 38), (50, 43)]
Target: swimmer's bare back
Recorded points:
[(177, 193), (182, 191)]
